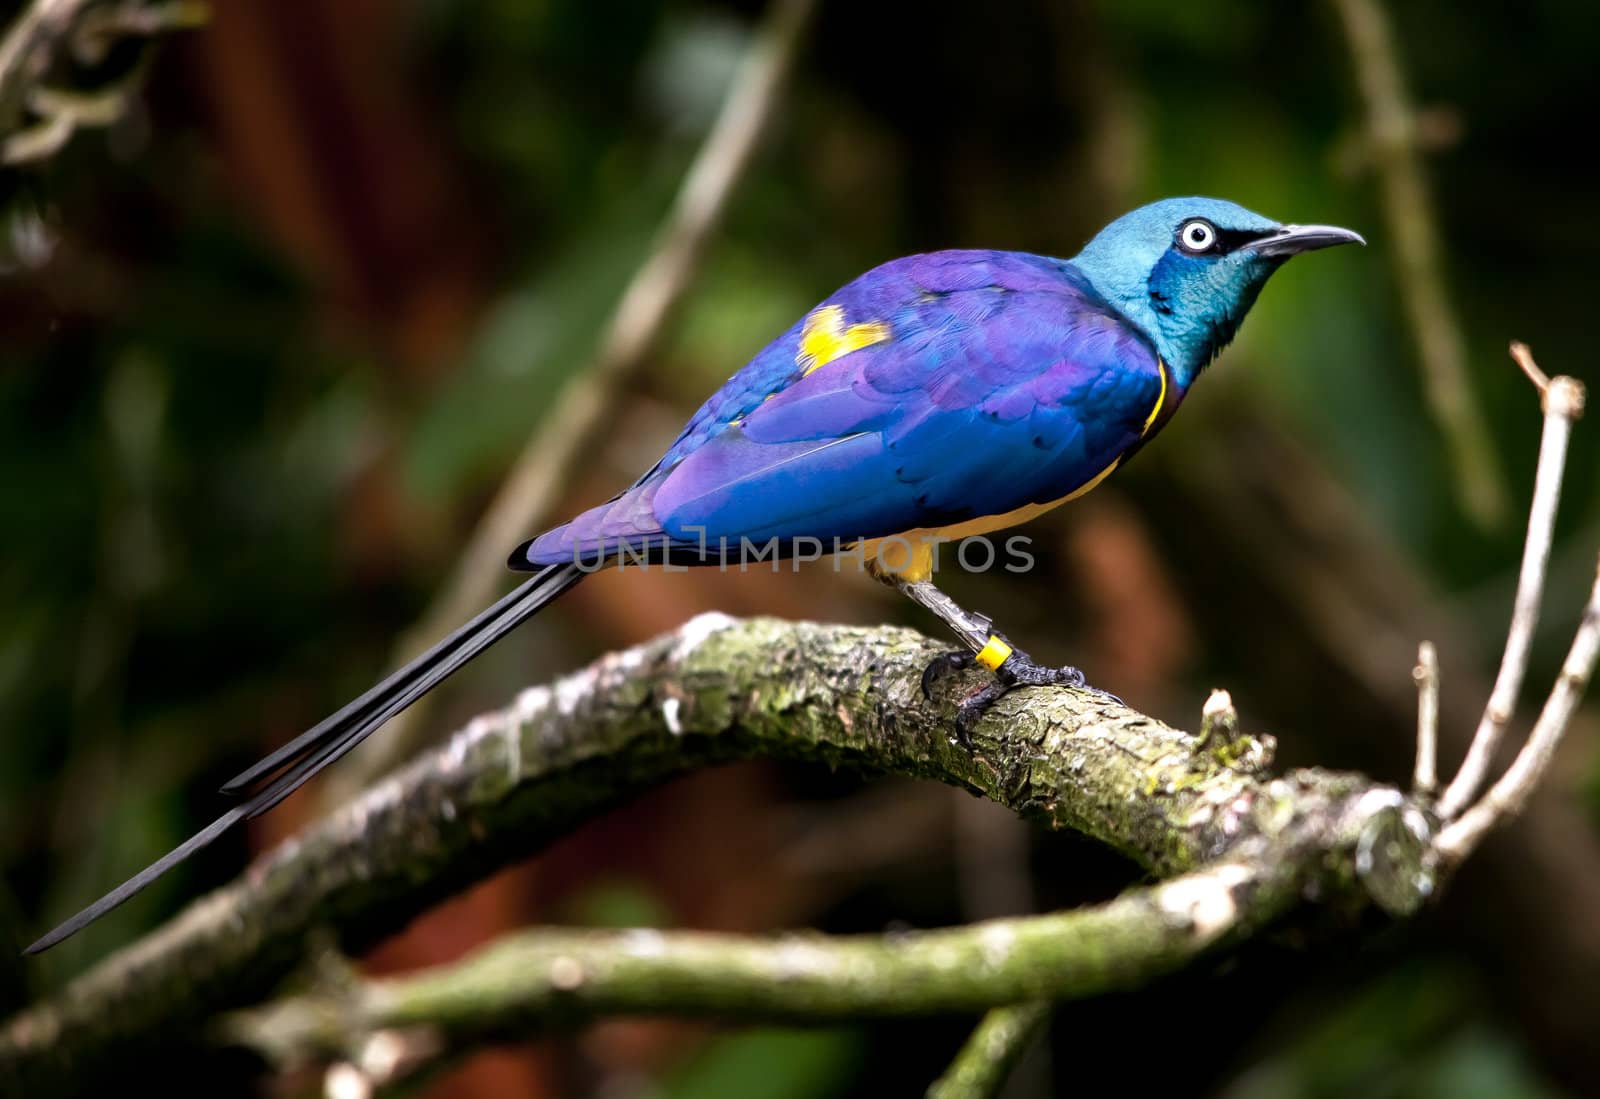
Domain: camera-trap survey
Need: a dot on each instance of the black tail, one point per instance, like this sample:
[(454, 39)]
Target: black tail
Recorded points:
[(287, 769)]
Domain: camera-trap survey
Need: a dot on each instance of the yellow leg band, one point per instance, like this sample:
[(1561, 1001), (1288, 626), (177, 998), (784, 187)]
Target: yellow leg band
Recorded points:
[(994, 654)]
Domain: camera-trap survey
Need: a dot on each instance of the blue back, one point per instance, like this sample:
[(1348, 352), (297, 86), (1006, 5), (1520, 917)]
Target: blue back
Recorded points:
[(998, 380)]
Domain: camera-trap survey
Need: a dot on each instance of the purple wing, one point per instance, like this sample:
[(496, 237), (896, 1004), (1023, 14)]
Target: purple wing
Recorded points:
[(932, 390)]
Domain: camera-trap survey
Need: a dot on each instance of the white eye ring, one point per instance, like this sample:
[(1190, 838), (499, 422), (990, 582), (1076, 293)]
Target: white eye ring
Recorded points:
[(1197, 235)]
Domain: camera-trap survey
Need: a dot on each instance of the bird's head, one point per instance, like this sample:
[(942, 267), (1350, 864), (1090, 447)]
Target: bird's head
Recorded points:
[(1186, 270)]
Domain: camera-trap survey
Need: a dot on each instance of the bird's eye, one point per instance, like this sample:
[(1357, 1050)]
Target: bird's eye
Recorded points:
[(1197, 235)]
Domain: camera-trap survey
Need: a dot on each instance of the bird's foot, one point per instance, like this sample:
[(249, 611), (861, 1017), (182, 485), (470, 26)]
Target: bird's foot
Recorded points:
[(1015, 669)]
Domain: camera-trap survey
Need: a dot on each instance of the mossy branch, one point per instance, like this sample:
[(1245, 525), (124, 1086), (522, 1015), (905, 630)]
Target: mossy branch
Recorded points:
[(554, 978), (996, 1045), (716, 689)]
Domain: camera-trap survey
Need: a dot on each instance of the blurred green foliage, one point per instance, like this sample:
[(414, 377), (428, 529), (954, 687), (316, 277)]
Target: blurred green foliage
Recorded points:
[(768, 1064), (1410, 1034)]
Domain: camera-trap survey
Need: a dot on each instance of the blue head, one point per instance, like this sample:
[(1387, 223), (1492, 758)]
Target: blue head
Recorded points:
[(1187, 270)]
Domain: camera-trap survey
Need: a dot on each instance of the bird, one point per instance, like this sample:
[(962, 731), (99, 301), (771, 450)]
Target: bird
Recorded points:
[(936, 397)]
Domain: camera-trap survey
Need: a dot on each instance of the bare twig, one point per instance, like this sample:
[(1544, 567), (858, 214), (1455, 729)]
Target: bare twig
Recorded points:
[(1392, 138), (29, 49), (980, 1069), (1507, 796), (61, 114), (1363, 607), (36, 43), (1425, 779), (1563, 404), (102, 26), (581, 412), (1522, 355), (1562, 399), (1219, 720)]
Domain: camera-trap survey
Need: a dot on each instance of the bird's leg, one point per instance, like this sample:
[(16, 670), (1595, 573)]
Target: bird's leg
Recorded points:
[(1011, 666)]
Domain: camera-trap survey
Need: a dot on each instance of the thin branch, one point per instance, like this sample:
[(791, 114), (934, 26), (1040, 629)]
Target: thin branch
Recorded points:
[(1563, 404), (712, 691), (1522, 355), (556, 978), (985, 1062), (1425, 779), (1360, 606), (1563, 401), (103, 26), (581, 413), (48, 34), (61, 114), (1507, 796), (1392, 138), (29, 49)]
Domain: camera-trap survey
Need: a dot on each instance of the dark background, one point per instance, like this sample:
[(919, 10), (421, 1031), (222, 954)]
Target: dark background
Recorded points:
[(295, 317)]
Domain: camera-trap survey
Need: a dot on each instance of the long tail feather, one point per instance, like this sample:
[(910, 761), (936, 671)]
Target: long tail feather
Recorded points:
[(138, 881), (291, 766)]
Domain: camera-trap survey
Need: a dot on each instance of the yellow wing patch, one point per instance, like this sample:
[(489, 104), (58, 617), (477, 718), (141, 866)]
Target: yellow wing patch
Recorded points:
[(825, 337)]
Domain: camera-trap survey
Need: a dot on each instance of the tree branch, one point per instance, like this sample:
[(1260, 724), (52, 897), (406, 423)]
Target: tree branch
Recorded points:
[(1507, 796), (986, 1060), (1425, 775), (556, 978), (1243, 848), (1562, 400), (714, 690), (29, 50), (42, 39)]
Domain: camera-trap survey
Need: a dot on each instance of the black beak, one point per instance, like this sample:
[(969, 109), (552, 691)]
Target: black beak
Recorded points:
[(1291, 240)]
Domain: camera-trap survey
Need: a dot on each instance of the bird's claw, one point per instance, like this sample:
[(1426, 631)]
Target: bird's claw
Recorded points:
[(972, 708), (941, 666), (1018, 670)]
